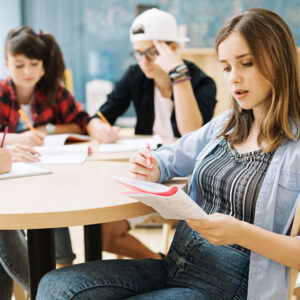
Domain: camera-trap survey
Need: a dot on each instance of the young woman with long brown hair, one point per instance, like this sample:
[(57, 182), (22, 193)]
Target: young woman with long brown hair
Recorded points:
[(245, 167)]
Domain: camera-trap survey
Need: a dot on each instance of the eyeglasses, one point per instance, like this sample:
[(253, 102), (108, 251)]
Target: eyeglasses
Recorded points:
[(150, 54)]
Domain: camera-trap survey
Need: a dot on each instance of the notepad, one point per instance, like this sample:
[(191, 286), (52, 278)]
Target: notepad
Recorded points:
[(170, 202), (70, 154), (67, 138), (20, 169), (130, 144)]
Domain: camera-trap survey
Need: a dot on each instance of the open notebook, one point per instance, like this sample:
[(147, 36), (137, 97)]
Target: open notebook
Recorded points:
[(70, 154), (67, 138), (20, 169), (170, 202), (133, 144)]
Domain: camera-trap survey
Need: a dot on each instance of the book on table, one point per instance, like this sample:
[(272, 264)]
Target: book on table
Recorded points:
[(21, 169), (66, 138), (170, 202), (69, 154)]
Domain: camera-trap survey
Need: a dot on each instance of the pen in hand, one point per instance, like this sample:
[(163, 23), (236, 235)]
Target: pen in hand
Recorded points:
[(102, 117), (20, 111), (4, 134), (148, 159)]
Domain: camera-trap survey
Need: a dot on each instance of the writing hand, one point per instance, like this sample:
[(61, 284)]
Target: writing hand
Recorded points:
[(102, 132), (139, 168)]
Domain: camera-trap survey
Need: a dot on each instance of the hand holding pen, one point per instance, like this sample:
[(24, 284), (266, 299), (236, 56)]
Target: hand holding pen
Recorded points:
[(23, 153), (4, 135), (101, 130), (32, 137), (149, 158), (140, 169)]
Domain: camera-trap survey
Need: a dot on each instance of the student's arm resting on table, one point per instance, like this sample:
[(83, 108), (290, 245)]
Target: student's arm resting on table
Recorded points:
[(5, 160), (61, 128), (221, 229)]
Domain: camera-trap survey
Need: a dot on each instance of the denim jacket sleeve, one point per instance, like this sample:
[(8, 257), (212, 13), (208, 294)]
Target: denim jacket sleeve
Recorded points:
[(178, 160)]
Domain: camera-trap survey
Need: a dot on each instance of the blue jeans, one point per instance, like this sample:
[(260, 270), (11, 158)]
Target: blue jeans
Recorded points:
[(193, 269), (14, 257)]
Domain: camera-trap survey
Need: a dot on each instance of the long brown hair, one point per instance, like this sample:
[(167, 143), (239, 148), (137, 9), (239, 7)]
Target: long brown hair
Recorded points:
[(42, 46), (267, 35)]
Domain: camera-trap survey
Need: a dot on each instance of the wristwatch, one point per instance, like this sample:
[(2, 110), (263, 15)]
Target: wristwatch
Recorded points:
[(50, 128)]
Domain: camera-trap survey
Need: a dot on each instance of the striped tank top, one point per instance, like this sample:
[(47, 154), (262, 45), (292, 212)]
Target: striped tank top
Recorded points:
[(230, 182)]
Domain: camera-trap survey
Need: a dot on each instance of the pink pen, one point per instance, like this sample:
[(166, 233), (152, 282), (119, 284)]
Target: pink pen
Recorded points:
[(4, 134), (148, 159)]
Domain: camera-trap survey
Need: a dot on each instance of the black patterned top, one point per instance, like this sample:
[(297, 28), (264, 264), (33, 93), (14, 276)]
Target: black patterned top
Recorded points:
[(230, 182)]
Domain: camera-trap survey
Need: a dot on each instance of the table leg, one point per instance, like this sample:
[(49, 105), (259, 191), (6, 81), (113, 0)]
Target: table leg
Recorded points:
[(41, 254), (93, 242)]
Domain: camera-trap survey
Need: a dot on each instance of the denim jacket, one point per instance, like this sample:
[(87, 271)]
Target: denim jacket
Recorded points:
[(276, 201)]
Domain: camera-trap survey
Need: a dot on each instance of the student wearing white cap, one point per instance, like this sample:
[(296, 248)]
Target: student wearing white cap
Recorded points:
[(171, 97)]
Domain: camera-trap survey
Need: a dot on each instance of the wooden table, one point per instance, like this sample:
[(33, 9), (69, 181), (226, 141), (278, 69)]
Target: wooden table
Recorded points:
[(73, 195)]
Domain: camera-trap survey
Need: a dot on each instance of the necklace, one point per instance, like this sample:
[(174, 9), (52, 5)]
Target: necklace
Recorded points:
[(238, 156)]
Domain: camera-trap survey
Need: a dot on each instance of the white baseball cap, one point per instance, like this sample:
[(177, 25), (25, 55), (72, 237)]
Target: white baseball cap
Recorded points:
[(154, 24)]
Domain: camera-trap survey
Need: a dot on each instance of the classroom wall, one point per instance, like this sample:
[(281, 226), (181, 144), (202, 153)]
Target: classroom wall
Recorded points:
[(94, 38), (10, 17)]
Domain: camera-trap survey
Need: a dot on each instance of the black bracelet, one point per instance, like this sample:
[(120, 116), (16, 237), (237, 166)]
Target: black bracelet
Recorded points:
[(178, 72)]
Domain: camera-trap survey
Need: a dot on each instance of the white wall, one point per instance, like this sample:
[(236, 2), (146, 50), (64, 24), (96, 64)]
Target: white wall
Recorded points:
[(10, 17)]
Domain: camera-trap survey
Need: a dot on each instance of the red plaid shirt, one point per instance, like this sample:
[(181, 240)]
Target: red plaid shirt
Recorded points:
[(65, 110)]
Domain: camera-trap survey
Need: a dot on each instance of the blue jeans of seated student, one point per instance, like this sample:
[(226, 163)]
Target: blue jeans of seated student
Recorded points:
[(193, 269), (14, 258)]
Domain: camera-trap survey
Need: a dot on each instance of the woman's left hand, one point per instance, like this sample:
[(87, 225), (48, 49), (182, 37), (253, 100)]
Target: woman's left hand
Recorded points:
[(218, 229)]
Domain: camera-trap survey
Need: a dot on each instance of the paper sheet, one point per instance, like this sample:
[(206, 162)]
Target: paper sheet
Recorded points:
[(131, 144), (178, 205), (20, 169), (71, 154)]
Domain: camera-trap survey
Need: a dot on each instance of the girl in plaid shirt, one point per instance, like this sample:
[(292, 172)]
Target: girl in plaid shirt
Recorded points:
[(36, 68)]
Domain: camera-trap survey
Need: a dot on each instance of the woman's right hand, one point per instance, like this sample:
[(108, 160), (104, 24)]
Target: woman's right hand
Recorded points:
[(101, 132), (23, 153), (141, 169), (31, 138)]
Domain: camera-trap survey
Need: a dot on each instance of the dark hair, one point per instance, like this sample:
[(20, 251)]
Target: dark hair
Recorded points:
[(42, 46), (269, 39)]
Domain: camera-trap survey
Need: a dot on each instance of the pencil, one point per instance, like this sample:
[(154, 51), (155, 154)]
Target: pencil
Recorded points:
[(20, 111), (100, 114), (148, 159), (4, 134)]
